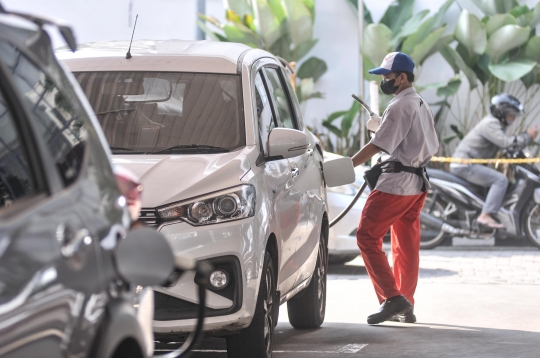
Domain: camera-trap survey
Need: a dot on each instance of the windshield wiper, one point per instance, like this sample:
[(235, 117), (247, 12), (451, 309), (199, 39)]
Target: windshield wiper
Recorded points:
[(193, 148), (121, 149), (116, 111)]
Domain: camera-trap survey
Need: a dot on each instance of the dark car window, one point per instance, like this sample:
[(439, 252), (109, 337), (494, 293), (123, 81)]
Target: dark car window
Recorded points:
[(51, 112), (279, 95), (15, 174), (265, 117), (167, 112)]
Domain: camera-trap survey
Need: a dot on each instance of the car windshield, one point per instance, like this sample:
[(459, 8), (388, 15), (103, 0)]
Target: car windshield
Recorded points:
[(167, 112)]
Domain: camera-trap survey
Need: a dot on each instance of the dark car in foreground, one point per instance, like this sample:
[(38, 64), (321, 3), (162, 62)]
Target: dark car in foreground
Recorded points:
[(69, 286)]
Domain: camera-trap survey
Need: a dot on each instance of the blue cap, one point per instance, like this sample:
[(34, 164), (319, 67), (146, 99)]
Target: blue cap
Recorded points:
[(395, 61)]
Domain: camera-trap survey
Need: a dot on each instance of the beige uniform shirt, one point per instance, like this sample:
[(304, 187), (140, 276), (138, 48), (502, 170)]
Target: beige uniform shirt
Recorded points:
[(407, 135)]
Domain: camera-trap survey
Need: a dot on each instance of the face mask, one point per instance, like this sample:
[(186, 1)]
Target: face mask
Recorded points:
[(387, 87)]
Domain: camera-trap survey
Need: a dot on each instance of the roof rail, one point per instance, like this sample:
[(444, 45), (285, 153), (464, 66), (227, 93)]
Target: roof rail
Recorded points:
[(240, 60), (285, 63), (65, 30)]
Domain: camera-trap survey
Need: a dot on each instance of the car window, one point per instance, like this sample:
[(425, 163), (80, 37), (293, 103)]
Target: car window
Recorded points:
[(265, 116), (167, 112), (285, 116), (15, 174), (51, 111), (295, 102)]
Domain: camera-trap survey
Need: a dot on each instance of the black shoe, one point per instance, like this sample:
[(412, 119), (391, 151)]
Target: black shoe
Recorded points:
[(407, 317), (392, 306)]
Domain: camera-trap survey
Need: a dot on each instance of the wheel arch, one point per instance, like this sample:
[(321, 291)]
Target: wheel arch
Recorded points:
[(128, 348), (121, 331), (272, 248)]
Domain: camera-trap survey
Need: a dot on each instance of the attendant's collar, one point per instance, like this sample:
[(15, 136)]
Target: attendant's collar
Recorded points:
[(405, 92)]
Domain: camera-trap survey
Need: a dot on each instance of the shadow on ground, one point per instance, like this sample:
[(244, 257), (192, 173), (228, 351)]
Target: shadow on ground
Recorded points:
[(421, 340), (343, 271)]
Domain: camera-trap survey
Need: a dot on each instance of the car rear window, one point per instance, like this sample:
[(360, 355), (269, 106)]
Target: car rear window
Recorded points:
[(167, 112)]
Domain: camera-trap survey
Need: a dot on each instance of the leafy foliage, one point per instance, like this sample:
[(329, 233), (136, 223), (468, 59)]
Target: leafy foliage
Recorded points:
[(281, 27)]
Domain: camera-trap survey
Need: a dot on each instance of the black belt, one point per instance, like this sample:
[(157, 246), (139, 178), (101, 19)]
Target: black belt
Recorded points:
[(397, 167)]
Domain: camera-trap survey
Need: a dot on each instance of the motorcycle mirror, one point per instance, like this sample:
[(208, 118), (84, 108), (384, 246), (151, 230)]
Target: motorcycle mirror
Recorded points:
[(144, 257)]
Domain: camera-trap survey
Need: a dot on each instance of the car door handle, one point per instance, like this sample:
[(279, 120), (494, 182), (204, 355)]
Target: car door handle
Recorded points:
[(295, 172), (71, 244)]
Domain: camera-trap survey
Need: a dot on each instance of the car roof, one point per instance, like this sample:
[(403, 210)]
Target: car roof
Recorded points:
[(151, 55)]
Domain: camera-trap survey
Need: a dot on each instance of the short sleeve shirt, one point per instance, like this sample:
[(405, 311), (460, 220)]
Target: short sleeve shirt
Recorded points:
[(407, 135)]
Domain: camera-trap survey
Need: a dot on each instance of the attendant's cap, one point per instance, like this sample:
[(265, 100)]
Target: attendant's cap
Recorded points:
[(395, 61)]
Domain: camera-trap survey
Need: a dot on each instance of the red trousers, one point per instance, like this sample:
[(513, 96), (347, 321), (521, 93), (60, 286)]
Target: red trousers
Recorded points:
[(402, 214)]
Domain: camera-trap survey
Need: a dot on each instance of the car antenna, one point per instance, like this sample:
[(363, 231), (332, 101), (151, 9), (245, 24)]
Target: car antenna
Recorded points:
[(128, 54)]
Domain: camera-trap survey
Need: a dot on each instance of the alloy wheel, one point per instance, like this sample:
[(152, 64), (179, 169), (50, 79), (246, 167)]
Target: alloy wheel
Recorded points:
[(268, 311), (323, 264)]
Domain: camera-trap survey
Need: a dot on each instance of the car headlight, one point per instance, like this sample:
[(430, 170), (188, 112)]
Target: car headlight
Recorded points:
[(227, 205), (343, 189)]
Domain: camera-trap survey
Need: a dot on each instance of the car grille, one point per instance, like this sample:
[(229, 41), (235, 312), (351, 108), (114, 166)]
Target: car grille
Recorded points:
[(149, 217)]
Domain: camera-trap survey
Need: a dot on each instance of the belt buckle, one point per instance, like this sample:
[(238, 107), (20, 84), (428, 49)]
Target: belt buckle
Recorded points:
[(389, 167)]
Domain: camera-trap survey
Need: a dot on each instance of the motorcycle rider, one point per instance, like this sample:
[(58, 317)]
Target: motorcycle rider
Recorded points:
[(484, 141)]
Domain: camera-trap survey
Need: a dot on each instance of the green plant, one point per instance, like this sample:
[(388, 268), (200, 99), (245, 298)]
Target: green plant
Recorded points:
[(281, 27), (500, 52), (345, 143)]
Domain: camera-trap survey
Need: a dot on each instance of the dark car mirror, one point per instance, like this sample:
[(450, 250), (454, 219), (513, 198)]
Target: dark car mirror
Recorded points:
[(144, 257)]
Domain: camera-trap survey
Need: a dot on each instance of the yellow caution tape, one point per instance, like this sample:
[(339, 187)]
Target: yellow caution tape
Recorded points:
[(486, 161)]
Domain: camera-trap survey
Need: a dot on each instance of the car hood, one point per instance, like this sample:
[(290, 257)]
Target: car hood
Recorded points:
[(170, 178)]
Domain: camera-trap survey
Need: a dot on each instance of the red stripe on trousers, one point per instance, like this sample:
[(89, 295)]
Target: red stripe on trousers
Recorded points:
[(401, 213)]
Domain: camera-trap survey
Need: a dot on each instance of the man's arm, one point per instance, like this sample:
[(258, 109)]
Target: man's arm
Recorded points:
[(494, 133), (365, 154)]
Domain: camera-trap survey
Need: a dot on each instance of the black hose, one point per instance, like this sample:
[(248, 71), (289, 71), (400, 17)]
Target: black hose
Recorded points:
[(349, 207), (203, 272)]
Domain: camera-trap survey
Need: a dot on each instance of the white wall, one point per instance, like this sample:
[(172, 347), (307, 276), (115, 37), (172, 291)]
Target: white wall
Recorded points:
[(335, 27)]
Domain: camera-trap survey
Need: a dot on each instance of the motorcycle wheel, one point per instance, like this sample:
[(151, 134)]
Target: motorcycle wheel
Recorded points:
[(531, 223), (432, 238)]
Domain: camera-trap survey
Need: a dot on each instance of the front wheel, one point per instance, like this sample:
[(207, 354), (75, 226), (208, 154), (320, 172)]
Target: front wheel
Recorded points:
[(531, 223), (256, 340), (307, 309)]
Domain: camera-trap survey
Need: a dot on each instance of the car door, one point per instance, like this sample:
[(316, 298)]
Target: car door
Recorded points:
[(49, 264), (277, 175), (305, 175)]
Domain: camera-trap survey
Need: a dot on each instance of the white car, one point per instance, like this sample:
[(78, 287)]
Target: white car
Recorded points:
[(342, 246), (230, 174)]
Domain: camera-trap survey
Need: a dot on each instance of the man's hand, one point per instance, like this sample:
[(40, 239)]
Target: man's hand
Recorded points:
[(373, 123), (533, 131)]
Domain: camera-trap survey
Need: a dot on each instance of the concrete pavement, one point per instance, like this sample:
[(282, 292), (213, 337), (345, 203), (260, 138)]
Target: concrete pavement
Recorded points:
[(469, 303)]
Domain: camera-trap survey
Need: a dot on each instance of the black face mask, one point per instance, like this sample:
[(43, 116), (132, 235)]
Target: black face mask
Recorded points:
[(387, 87)]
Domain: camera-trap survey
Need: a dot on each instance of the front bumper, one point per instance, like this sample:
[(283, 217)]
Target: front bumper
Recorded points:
[(233, 246)]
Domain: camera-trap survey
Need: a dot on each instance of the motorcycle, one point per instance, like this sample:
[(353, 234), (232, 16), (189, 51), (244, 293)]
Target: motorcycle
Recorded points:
[(453, 205)]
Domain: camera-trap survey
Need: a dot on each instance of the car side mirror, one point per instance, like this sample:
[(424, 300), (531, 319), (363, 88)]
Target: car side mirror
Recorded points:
[(339, 172), (144, 257), (286, 143)]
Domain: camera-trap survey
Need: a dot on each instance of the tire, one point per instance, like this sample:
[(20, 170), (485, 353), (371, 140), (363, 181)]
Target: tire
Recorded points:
[(431, 238), (256, 340), (531, 223), (341, 259), (307, 309)]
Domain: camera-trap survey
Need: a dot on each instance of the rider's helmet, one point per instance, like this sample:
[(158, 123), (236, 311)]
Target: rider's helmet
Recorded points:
[(503, 105)]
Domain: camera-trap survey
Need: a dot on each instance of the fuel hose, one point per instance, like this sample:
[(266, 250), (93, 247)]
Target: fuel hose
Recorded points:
[(363, 188), (349, 207), (203, 270)]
